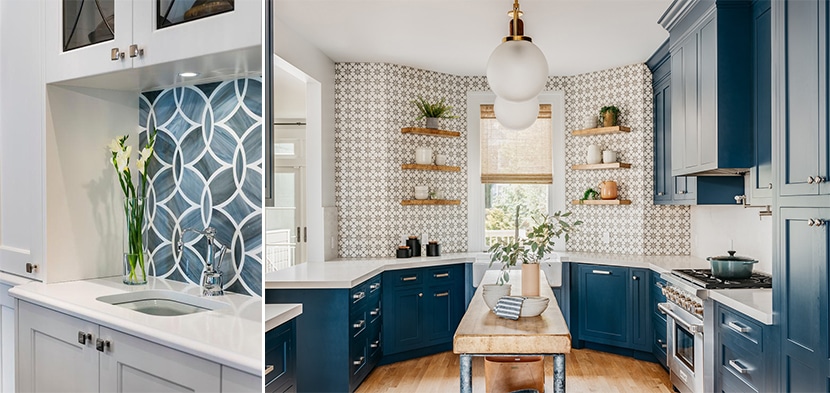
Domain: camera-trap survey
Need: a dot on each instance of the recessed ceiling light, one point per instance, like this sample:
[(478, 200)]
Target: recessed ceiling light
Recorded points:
[(188, 74)]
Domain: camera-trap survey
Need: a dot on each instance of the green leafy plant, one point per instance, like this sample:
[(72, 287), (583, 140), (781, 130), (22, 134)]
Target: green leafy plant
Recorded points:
[(589, 194), (613, 109), (539, 241), (437, 110)]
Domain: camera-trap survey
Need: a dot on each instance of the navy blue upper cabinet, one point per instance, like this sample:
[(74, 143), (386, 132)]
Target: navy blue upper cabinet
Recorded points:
[(711, 122), (760, 175), (802, 142)]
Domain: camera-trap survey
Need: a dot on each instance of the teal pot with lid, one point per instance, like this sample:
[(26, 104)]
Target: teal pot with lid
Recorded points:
[(732, 267)]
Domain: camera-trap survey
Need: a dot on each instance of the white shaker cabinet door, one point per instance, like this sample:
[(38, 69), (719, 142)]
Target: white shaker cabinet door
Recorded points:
[(131, 364), (51, 357), (6, 339), (235, 381)]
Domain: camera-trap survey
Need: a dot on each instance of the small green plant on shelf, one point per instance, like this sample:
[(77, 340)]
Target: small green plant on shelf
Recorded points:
[(433, 111), (589, 194), (610, 116)]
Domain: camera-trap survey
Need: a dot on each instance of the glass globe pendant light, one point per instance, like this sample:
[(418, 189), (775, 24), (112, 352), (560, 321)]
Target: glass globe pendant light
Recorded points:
[(517, 69), (516, 116)]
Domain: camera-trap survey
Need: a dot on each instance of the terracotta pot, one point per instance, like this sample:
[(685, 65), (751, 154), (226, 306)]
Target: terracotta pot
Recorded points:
[(530, 279), (609, 119), (608, 189)]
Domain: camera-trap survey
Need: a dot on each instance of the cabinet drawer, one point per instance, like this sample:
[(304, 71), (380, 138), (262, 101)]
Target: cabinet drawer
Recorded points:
[(659, 344), (374, 312), (657, 285), (277, 351), (358, 321), (444, 274), (373, 287), (740, 328), (359, 355), (406, 278), (375, 350), (359, 294), (743, 365)]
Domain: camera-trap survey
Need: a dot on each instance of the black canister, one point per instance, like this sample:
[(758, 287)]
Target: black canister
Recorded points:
[(433, 249), (403, 252), (414, 245)]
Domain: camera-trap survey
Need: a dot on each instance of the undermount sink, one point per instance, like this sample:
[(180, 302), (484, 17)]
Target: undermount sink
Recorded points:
[(161, 303)]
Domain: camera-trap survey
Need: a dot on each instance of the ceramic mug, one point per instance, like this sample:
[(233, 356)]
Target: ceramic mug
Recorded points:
[(590, 122), (421, 192), (440, 159), (609, 156), (594, 154), (423, 156)]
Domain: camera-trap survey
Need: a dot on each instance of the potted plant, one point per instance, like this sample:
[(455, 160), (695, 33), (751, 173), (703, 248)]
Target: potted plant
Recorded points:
[(433, 111), (531, 250), (610, 116)]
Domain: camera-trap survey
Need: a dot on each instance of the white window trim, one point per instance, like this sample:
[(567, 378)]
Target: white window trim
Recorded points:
[(475, 190)]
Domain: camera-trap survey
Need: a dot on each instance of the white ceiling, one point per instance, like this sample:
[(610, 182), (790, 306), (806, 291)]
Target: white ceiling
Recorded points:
[(457, 36)]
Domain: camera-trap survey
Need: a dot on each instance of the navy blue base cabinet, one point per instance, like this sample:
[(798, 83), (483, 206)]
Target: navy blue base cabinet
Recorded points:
[(611, 306), (658, 319), (339, 334), (746, 353), (423, 308), (281, 358)]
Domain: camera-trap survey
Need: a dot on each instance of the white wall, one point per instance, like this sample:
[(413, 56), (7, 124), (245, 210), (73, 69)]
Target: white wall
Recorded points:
[(713, 227), (294, 49)]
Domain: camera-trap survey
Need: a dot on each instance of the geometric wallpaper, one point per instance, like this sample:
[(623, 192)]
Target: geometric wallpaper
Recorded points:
[(373, 102), (206, 171)]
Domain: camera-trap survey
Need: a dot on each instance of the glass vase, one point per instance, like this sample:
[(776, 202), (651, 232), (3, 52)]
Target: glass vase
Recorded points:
[(134, 241)]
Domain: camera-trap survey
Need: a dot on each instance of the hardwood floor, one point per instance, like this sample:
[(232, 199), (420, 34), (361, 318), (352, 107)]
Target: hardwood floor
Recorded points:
[(587, 371)]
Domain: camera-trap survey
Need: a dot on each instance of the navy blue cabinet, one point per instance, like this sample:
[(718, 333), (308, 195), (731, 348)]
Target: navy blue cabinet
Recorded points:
[(710, 55), (281, 358), (679, 190), (802, 141), (745, 353), (423, 307), (611, 306), (339, 334), (658, 319), (760, 175)]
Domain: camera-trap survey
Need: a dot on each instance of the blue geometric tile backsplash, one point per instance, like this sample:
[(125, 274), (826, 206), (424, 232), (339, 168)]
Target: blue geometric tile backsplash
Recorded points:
[(206, 172)]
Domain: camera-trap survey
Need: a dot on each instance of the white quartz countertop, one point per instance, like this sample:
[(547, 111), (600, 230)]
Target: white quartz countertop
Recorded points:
[(231, 336), (754, 303), (278, 314)]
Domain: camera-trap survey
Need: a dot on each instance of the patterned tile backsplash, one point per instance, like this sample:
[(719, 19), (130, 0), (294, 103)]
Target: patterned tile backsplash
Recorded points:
[(206, 171), (372, 104)]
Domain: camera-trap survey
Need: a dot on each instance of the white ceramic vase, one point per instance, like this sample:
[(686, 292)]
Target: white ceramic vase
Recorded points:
[(594, 154)]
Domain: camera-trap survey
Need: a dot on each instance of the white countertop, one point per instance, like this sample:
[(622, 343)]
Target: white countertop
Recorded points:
[(346, 273), (231, 336), (278, 314)]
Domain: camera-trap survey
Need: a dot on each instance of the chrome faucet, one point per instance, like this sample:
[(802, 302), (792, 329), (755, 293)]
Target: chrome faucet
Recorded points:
[(211, 276)]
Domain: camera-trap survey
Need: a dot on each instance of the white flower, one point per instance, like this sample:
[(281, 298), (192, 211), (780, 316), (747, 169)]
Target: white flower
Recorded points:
[(144, 155), (122, 158), (115, 146)]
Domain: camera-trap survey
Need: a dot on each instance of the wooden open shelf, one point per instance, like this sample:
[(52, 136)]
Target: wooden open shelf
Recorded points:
[(610, 165), (420, 167), (602, 130), (430, 131), (413, 202), (601, 202)]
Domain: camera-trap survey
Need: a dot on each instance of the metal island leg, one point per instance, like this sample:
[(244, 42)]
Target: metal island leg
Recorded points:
[(466, 368), (558, 373)]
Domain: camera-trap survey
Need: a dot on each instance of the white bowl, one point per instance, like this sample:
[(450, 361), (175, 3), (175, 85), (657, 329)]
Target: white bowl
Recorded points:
[(493, 292), (534, 305)]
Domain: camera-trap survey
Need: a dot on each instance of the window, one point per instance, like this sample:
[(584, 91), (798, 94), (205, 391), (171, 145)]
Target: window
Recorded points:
[(516, 170)]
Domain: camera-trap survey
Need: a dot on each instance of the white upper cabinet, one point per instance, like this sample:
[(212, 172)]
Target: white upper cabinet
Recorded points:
[(87, 37)]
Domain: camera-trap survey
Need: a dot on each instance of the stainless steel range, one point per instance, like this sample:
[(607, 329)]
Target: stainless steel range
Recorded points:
[(686, 309)]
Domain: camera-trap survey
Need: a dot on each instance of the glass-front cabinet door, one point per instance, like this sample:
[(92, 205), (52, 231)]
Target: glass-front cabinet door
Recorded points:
[(170, 30), (86, 37)]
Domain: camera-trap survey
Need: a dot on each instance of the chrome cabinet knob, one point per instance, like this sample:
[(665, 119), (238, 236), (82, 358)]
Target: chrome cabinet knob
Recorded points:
[(818, 222), (810, 222), (769, 186), (135, 51), (820, 179), (30, 268), (102, 345), (810, 180), (116, 54), (83, 337), (681, 192), (660, 193)]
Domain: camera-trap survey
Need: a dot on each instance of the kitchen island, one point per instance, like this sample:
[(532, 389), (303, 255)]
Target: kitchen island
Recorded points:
[(482, 333)]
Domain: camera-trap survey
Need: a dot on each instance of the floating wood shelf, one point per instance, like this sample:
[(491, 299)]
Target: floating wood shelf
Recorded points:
[(412, 202), (610, 165), (430, 131), (601, 202), (444, 168), (602, 130)]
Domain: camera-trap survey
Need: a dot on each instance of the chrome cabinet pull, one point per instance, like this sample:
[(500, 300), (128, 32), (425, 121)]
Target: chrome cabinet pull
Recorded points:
[(102, 345), (692, 328), (738, 327), (135, 51), (375, 344), (360, 324), (269, 368), (116, 54), (83, 337), (635, 278), (442, 294), (374, 286), (375, 312), (661, 193), (740, 368), (358, 296), (605, 272), (30, 268), (662, 344), (359, 361), (441, 275), (409, 278), (298, 234)]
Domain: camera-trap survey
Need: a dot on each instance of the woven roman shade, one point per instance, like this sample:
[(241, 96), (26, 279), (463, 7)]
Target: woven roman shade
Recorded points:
[(509, 156)]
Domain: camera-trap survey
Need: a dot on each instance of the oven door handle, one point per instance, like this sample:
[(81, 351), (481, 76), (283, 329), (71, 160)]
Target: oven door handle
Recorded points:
[(692, 328)]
